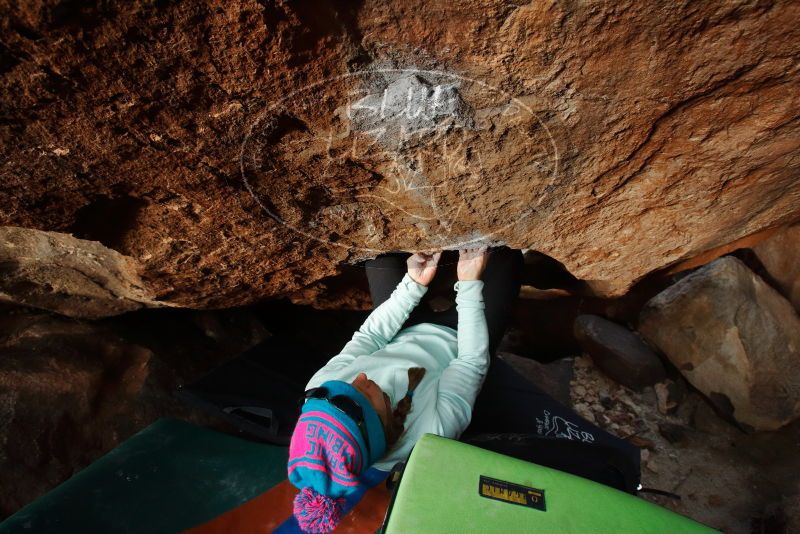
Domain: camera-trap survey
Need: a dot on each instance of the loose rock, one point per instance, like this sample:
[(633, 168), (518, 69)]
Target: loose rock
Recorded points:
[(665, 405), (734, 338), (552, 378), (780, 255), (74, 277), (620, 353)]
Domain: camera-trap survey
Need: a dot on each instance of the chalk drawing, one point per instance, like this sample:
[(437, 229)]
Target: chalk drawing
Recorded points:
[(416, 142)]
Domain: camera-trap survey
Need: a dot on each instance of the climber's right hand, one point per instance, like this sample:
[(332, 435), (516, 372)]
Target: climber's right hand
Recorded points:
[(472, 262)]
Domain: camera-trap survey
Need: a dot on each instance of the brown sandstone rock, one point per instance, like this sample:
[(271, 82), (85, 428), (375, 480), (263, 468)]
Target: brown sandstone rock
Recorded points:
[(734, 338), (642, 134), (72, 390), (780, 255), (74, 277), (793, 511), (67, 390)]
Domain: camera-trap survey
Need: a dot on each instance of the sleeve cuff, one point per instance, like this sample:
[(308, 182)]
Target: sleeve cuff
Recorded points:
[(415, 290), (469, 290)]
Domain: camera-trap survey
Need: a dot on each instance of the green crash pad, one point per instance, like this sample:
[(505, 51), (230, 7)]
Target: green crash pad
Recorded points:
[(169, 477), (449, 486)]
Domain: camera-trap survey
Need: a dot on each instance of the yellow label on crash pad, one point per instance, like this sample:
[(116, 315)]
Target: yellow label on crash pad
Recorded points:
[(500, 490)]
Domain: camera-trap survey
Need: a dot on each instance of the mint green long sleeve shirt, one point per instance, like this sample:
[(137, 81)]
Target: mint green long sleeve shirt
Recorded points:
[(456, 362)]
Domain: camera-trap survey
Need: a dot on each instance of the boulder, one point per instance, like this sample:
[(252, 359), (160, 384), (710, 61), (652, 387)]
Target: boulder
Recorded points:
[(618, 352), (735, 339), (248, 149), (71, 390), (74, 277), (780, 256), (553, 378), (792, 504)]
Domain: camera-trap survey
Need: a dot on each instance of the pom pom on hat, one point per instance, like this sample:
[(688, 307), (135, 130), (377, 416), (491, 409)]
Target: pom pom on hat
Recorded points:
[(317, 513)]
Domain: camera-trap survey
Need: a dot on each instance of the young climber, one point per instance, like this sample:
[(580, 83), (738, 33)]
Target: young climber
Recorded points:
[(409, 370)]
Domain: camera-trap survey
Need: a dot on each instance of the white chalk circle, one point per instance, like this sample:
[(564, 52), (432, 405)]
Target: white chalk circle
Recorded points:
[(399, 159)]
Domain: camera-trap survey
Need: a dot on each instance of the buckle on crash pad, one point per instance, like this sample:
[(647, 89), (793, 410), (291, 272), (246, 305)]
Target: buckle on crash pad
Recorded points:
[(256, 414)]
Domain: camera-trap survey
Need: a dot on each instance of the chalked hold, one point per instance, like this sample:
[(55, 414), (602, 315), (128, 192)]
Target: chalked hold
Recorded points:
[(618, 352)]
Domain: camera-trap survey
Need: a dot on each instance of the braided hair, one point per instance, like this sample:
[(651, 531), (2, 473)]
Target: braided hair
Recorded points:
[(397, 424)]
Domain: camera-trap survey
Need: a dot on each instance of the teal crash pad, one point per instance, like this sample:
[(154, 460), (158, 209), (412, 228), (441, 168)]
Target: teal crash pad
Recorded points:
[(169, 477)]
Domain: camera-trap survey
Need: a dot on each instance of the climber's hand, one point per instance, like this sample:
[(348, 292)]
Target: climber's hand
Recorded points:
[(422, 267), (472, 262)]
